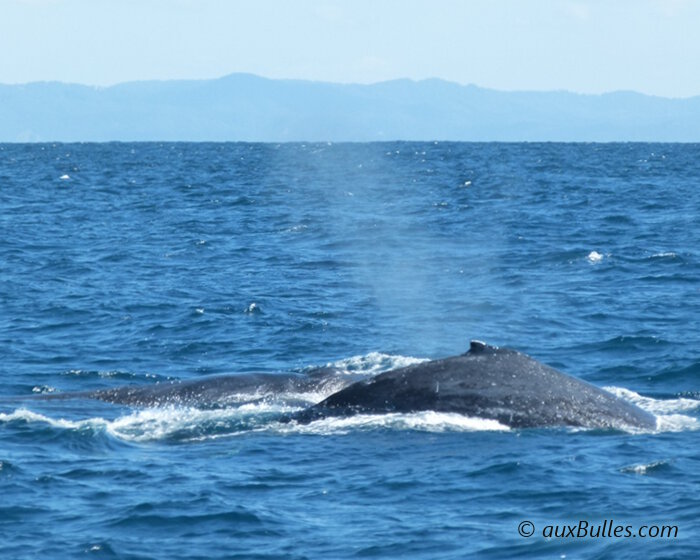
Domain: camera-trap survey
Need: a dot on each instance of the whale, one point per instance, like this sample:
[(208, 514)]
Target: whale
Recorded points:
[(486, 382), (219, 391)]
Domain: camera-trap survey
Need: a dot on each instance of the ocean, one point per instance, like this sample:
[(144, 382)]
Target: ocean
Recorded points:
[(143, 263)]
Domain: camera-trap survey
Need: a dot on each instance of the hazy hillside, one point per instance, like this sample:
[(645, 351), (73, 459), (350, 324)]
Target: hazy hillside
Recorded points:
[(247, 107)]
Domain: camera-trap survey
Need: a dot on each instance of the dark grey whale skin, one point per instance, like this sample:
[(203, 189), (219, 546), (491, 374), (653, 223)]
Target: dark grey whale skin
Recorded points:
[(217, 391), (486, 382)]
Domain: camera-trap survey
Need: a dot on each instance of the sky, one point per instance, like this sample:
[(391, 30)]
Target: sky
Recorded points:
[(584, 46)]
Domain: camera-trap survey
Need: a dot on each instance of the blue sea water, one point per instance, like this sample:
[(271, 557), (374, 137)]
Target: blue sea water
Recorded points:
[(141, 263)]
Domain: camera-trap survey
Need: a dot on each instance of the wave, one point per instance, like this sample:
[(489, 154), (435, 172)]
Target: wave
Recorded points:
[(157, 424), (425, 421), (678, 376), (667, 411), (182, 424), (655, 467), (24, 415), (373, 363), (631, 342), (188, 424)]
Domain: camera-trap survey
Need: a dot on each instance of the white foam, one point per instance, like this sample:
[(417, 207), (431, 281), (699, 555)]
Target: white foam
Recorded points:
[(594, 256), (252, 309), (313, 397), (25, 415), (153, 424), (643, 469), (666, 411), (299, 227), (374, 363), (676, 423), (655, 406), (43, 389), (192, 424), (427, 421)]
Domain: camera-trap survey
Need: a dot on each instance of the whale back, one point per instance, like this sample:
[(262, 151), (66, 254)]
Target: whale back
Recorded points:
[(486, 382)]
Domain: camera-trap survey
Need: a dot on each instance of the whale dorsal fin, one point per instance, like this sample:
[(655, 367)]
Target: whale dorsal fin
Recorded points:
[(476, 346)]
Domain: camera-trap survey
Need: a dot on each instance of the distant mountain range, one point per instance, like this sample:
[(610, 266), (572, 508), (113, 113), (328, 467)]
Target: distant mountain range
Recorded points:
[(250, 108)]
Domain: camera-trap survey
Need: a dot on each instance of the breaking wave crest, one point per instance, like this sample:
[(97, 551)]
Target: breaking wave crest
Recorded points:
[(374, 363), (426, 421), (667, 411), (181, 424)]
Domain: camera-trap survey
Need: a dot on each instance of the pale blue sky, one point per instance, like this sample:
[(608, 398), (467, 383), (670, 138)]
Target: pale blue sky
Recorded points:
[(587, 46)]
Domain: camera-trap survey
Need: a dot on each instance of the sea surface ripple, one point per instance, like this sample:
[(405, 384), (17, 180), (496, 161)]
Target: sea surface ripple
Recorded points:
[(143, 263)]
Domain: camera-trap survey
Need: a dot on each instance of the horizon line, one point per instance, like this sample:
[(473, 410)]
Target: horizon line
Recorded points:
[(361, 84)]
